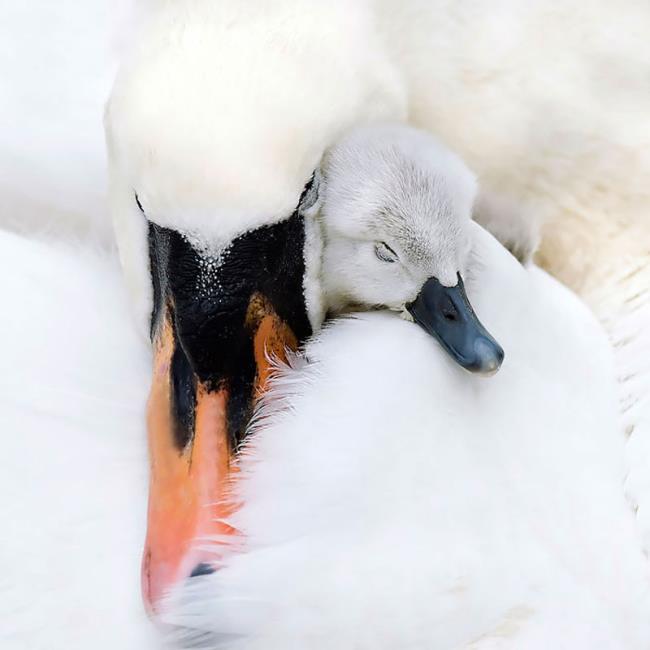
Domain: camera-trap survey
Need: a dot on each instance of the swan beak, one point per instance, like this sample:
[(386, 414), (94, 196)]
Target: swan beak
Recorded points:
[(188, 479), (446, 314), (192, 457)]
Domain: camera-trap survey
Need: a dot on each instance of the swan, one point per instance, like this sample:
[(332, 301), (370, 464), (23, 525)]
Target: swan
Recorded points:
[(394, 215), (134, 248), (197, 199)]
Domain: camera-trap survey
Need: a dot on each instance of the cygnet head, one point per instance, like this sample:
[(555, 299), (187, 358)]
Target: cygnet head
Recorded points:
[(395, 217)]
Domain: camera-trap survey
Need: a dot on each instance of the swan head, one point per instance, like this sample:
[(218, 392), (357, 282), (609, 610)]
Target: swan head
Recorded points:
[(395, 214), (208, 155)]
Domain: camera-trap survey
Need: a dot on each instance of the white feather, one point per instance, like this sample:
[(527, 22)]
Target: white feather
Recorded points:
[(73, 468), (548, 103), (562, 129), (222, 111), (392, 500)]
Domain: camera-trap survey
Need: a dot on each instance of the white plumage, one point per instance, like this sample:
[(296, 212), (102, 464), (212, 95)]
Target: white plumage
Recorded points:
[(222, 110), (392, 185), (547, 103), (392, 500), (562, 132), (502, 497), (73, 472)]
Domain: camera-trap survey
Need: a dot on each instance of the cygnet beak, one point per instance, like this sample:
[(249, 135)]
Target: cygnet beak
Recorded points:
[(446, 314)]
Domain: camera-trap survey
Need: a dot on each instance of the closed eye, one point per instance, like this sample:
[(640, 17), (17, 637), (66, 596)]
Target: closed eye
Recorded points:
[(137, 200), (385, 253)]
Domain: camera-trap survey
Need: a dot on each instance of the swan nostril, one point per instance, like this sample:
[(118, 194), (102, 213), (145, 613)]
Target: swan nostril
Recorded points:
[(202, 569), (449, 315)]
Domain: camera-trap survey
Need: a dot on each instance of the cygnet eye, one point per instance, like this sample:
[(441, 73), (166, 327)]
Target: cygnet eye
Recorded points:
[(384, 252)]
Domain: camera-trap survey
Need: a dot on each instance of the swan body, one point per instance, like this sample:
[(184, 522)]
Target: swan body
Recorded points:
[(73, 473), (514, 493), (393, 500)]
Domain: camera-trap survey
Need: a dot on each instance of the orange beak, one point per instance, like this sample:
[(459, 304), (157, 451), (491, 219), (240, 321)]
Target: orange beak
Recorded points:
[(189, 490)]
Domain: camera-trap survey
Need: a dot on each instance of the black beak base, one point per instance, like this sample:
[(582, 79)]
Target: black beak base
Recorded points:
[(446, 314)]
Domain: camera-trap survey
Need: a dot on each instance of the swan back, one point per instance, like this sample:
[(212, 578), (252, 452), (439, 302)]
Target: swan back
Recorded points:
[(74, 463)]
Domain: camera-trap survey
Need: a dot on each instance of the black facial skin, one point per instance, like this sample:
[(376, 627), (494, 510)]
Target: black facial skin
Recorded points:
[(183, 384), (208, 305)]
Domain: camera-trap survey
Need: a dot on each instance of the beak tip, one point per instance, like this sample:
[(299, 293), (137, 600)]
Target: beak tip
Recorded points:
[(489, 355), (445, 313)]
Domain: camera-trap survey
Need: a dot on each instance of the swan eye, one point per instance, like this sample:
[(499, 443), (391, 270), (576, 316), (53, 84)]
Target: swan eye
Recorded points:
[(137, 202), (384, 252)]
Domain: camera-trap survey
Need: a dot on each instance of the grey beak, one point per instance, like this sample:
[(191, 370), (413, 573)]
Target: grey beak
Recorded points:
[(446, 314)]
